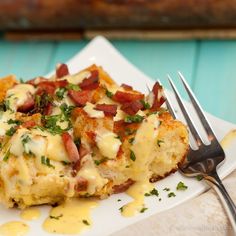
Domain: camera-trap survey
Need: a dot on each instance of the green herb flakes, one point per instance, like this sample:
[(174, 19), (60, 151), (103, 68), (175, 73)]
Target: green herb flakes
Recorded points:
[(7, 154), (109, 94), (46, 161), (85, 222), (74, 87), (166, 189), (134, 119), (181, 186), (159, 142), (56, 217), (60, 92), (153, 192), (11, 131), (131, 140), (146, 105), (132, 155), (171, 194), (143, 210), (15, 122)]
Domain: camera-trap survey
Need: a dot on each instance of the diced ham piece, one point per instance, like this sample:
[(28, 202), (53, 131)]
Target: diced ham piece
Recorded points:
[(122, 187), (108, 109), (62, 70), (124, 97), (81, 184), (28, 104), (48, 87), (80, 97), (131, 108), (29, 124), (158, 98), (126, 87), (90, 83), (70, 147), (61, 83)]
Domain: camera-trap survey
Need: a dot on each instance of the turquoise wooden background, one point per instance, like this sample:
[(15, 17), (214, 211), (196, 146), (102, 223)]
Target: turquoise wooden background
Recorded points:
[(209, 66)]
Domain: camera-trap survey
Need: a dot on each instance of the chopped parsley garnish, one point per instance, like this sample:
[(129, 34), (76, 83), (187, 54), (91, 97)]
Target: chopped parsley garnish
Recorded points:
[(11, 131), (181, 186), (143, 210), (25, 139), (146, 105), (56, 217), (129, 131), (159, 142), (171, 194), (7, 105), (98, 162), (65, 163), (74, 87), (199, 177), (132, 155), (153, 192), (7, 154), (118, 137), (66, 110), (109, 94), (134, 119), (166, 189), (131, 140), (85, 222), (15, 122), (60, 93), (121, 209), (46, 161), (118, 200), (159, 199)]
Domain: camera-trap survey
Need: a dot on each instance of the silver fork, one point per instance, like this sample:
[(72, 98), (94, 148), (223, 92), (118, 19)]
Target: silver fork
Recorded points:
[(204, 160)]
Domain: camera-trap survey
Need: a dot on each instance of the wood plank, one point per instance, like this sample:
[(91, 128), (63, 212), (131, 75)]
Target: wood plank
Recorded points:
[(215, 80)]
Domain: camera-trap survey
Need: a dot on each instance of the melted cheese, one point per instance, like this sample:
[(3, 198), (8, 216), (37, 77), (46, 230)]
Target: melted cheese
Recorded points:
[(14, 228), (136, 191), (18, 95), (91, 174), (108, 143), (78, 78), (89, 109), (31, 213), (143, 146), (71, 217), (4, 117)]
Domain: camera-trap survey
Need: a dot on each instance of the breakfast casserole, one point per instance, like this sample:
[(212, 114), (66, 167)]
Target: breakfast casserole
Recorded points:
[(82, 135)]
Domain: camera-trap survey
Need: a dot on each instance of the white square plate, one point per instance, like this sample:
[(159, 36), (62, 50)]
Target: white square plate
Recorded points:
[(106, 217)]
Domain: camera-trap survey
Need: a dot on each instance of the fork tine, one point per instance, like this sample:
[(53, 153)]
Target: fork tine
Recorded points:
[(169, 105), (185, 113), (198, 109)]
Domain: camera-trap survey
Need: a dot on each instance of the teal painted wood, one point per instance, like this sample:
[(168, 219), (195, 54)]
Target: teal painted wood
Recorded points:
[(215, 80)]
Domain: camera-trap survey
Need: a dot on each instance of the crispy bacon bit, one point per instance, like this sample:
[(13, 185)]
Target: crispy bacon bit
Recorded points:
[(36, 80), (28, 105), (158, 98), (29, 124), (122, 187), (124, 97), (80, 97), (92, 136), (108, 109), (48, 109), (62, 70), (90, 83), (48, 87), (127, 87), (61, 83), (70, 147), (131, 108), (81, 184)]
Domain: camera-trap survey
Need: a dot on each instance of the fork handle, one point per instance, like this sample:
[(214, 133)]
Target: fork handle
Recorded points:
[(226, 200)]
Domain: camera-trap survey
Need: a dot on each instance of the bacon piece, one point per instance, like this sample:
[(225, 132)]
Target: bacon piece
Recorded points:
[(48, 109), (62, 70), (61, 83), (70, 147), (28, 105), (131, 108), (90, 83), (29, 124), (108, 109), (127, 87), (81, 184), (124, 97), (36, 80), (122, 187), (158, 100), (46, 86), (83, 151), (92, 136), (80, 97)]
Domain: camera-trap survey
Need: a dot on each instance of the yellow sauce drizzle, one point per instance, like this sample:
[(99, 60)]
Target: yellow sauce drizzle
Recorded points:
[(14, 228), (136, 191), (228, 138), (71, 217), (30, 214)]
